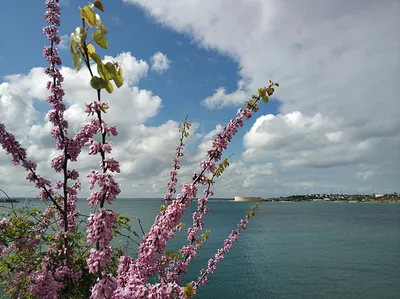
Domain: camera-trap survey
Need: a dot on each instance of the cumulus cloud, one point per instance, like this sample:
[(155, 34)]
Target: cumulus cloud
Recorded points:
[(221, 99), (316, 141), (159, 62), (339, 70)]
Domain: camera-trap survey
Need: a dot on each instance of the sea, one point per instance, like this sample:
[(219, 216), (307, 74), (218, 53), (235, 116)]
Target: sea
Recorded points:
[(290, 250)]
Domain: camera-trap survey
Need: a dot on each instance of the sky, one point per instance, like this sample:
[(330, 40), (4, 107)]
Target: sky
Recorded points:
[(333, 125)]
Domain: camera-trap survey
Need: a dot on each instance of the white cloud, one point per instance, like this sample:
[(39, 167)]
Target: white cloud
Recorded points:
[(338, 65), (298, 140), (159, 62), (221, 99), (64, 43)]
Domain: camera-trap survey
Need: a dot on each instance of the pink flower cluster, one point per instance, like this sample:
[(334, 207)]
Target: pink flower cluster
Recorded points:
[(99, 259), (44, 285), (99, 227), (96, 107), (5, 224), (104, 288)]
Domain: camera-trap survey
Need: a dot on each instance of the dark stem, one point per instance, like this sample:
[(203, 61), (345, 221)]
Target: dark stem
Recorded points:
[(65, 171)]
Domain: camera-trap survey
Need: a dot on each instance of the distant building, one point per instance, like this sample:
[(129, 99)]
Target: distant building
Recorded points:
[(249, 198)]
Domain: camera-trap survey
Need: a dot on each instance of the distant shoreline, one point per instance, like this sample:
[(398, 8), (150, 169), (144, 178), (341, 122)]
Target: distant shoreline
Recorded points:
[(289, 201), (339, 198), (9, 201)]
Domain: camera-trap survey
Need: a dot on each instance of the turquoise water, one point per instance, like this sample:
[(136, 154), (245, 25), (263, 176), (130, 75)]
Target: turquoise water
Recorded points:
[(294, 250)]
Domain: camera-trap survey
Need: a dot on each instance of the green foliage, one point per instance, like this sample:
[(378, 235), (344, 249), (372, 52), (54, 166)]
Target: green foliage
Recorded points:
[(172, 255), (100, 38), (263, 94), (188, 290), (84, 52), (107, 86), (103, 71), (221, 168), (162, 208), (184, 127), (89, 16), (96, 58), (24, 259), (91, 49), (206, 235), (252, 211), (95, 82)]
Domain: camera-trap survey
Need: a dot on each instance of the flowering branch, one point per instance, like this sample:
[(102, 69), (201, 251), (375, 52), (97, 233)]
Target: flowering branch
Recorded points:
[(183, 129), (219, 256), (18, 153), (100, 224)]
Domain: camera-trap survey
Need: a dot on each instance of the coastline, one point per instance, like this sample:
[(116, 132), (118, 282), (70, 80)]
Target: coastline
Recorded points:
[(289, 201)]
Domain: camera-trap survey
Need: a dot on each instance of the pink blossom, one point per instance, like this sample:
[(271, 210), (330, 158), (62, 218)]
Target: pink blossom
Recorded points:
[(99, 227), (104, 288), (99, 259), (5, 224), (44, 286)]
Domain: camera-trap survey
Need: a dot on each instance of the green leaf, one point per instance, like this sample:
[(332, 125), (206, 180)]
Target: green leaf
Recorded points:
[(88, 14), (95, 82), (188, 290), (90, 48), (95, 57), (265, 99), (111, 68), (262, 92), (77, 60), (81, 33), (100, 39), (270, 91), (103, 29), (103, 109), (162, 208), (107, 85), (116, 74), (98, 5), (103, 72), (119, 79), (75, 41)]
